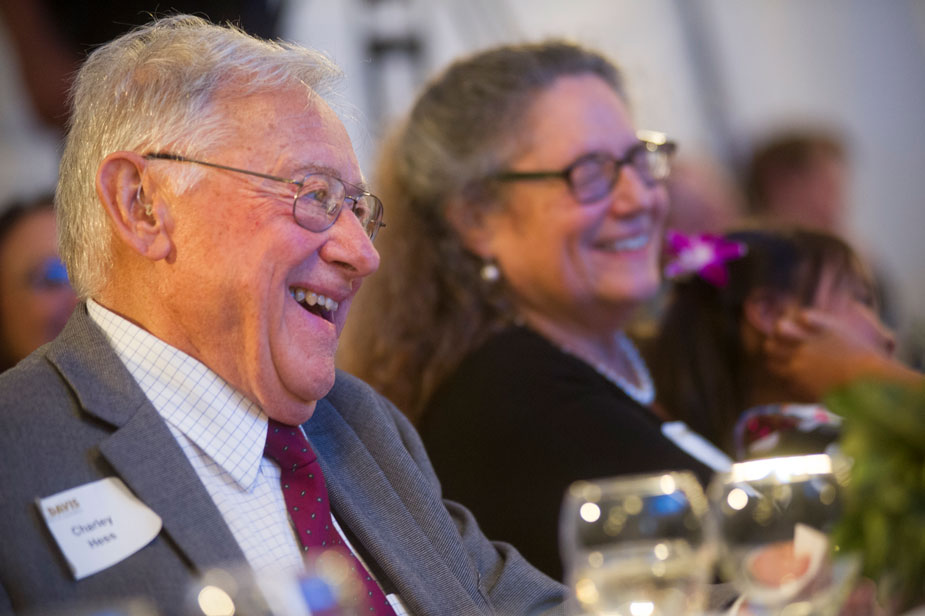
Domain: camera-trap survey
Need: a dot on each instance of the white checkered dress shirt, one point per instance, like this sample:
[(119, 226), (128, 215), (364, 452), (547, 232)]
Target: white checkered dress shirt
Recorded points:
[(223, 435)]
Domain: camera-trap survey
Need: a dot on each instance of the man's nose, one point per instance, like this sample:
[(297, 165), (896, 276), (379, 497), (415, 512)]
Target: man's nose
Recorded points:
[(349, 245)]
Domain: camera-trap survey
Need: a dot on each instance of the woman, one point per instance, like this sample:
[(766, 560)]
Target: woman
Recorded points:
[(774, 327), (35, 297), (527, 227)]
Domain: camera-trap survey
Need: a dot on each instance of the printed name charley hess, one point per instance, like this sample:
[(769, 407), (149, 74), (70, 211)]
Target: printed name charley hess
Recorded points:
[(96, 526)]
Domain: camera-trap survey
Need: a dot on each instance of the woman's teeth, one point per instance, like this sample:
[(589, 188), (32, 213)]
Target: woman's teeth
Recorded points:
[(630, 243), (310, 298)]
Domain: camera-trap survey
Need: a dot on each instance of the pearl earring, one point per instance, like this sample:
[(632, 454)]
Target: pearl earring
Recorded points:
[(490, 272)]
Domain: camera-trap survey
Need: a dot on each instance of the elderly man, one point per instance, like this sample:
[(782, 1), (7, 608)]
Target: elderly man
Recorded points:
[(213, 218)]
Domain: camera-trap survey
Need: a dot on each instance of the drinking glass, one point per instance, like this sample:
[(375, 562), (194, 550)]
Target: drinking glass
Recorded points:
[(634, 545), (325, 585), (132, 606), (770, 520)]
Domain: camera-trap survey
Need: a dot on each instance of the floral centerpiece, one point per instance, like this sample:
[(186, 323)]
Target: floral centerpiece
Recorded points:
[(884, 519)]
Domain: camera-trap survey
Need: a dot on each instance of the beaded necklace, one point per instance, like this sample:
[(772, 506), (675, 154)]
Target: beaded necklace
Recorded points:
[(644, 393)]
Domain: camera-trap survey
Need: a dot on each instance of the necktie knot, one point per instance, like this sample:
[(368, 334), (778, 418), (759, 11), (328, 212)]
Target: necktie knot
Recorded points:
[(288, 446)]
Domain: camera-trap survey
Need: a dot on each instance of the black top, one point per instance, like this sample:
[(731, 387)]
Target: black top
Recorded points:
[(519, 421)]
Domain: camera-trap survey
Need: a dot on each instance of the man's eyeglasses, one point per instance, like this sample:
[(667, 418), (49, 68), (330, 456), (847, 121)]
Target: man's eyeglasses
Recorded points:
[(318, 200), (594, 175)]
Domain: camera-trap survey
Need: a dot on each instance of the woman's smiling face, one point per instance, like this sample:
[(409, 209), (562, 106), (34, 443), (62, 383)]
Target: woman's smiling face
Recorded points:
[(584, 266)]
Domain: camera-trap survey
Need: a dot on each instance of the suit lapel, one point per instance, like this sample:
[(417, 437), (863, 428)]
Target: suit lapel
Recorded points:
[(141, 449), (365, 501), (149, 460)]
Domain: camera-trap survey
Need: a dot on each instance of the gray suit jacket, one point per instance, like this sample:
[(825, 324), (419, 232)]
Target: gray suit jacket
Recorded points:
[(71, 414)]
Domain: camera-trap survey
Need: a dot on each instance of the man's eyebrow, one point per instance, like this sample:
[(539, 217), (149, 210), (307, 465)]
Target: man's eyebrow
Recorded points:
[(304, 170)]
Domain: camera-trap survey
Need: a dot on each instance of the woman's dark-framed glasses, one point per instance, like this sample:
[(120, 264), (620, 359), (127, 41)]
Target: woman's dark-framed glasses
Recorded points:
[(592, 176), (318, 200)]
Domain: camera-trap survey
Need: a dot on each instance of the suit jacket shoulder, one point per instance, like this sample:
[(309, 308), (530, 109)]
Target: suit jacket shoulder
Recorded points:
[(382, 486), (71, 414)]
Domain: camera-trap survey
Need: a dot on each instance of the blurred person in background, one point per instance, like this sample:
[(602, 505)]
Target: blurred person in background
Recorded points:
[(704, 197), (761, 325), (817, 351), (791, 316), (526, 216), (35, 297), (802, 177)]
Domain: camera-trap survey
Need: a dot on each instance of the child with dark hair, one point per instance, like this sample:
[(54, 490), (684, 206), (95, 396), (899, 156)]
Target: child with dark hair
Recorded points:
[(745, 312), (801, 176)]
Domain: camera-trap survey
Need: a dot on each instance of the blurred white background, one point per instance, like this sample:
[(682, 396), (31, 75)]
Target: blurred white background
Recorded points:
[(714, 74)]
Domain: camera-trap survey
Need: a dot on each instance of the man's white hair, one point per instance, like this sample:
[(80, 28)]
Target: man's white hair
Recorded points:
[(151, 89)]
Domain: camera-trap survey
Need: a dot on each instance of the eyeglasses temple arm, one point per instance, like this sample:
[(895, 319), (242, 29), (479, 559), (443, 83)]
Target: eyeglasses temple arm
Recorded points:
[(183, 159), (530, 175)]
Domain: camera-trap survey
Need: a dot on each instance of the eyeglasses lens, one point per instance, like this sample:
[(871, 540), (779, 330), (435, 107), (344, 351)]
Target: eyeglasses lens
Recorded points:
[(593, 178), (654, 162), (321, 199), (368, 209)]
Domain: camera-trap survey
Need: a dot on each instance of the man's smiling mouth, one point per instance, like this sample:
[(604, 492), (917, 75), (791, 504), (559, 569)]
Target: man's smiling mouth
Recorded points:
[(317, 304)]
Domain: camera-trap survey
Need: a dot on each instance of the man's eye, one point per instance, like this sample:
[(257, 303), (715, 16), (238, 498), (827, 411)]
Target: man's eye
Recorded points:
[(319, 194)]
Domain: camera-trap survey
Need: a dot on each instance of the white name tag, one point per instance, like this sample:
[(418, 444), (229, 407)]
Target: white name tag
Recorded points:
[(98, 524), (696, 446)]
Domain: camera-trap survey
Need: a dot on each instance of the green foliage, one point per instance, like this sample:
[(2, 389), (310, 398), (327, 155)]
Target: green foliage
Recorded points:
[(884, 434)]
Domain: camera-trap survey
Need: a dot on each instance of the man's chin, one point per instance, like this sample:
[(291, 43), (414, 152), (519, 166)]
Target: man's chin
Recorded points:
[(293, 384), (292, 414), (294, 406), (296, 399)]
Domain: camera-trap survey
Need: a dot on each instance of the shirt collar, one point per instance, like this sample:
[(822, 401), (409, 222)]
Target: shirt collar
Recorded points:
[(219, 420)]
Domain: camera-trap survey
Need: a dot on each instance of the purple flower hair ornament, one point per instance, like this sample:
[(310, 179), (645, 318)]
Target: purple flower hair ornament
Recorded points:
[(705, 255)]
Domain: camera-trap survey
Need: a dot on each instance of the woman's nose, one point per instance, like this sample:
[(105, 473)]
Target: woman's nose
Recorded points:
[(633, 193)]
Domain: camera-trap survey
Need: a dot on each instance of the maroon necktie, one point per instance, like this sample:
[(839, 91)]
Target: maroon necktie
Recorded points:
[(307, 503)]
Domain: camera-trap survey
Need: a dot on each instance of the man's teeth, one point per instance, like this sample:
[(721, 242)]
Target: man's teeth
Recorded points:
[(310, 298), (630, 243)]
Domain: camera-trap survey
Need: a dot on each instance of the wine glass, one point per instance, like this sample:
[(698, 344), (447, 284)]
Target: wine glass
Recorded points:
[(325, 584), (770, 520), (634, 545), (131, 606)]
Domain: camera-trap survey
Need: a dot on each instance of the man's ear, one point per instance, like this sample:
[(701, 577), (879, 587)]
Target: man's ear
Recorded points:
[(762, 309), (140, 220), (474, 226)]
